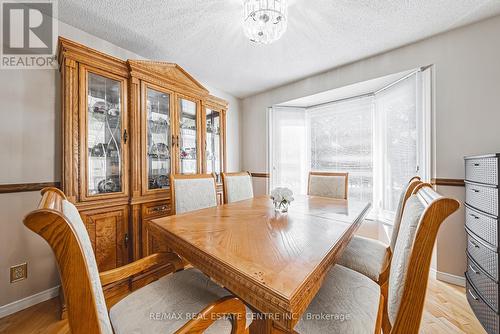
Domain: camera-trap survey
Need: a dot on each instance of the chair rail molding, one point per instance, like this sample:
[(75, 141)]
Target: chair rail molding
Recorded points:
[(448, 182), (25, 187), (261, 175)]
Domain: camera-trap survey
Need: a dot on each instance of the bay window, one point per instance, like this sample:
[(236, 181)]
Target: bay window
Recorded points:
[(381, 139)]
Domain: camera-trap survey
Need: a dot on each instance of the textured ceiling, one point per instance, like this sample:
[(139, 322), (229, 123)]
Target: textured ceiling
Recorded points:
[(206, 38)]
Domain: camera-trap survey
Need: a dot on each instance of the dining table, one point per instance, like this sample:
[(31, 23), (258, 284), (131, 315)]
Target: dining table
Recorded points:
[(273, 261)]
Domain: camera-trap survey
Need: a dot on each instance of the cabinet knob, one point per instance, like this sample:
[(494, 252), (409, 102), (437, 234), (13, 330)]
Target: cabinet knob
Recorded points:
[(125, 136), (125, 240)]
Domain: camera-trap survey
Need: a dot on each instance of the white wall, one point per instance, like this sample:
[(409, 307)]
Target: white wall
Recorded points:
[(30, 150), (467, 114)]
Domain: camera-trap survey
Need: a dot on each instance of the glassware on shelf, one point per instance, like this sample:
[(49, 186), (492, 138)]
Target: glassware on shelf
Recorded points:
[(159, 151), (158, 138), (104, 131), (188, 153), (159, 182), (187, 136)]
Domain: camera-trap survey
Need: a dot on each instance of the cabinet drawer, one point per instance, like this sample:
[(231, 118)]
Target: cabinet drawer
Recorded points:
[(156, 209), (488, 318), (482, 170), (483, 226), (483, 255), (485, 286), (481, 197)]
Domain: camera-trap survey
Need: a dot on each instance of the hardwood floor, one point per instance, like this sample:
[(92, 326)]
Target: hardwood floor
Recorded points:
[(41, 318), (446, 311)]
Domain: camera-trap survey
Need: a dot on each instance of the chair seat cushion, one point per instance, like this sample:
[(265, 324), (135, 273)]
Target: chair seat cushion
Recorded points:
[(348, 302), (167, 304), (366, 256)]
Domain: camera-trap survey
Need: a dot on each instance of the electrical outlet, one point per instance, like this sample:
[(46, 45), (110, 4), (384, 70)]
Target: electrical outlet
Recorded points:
[(18, 272)]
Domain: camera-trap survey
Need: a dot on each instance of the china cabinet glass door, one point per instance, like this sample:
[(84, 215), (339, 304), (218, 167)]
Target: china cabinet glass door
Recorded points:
[(158, 139), (187, 140), (213, 143), (104, 135)]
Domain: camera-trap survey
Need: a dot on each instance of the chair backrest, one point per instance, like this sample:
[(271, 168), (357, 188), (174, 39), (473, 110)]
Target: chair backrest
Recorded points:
[(423, 214), (414, 181), (327, 184), (191, 192), (237, 186), (59, 223)]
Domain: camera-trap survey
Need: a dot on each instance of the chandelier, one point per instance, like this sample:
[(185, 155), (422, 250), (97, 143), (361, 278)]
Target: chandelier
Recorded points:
[(265, 20)]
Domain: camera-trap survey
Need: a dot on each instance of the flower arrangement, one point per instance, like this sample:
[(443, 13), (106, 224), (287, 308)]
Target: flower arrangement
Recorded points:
[(282, 197)]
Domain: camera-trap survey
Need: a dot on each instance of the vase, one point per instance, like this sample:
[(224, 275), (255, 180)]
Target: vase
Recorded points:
[(281, 207)]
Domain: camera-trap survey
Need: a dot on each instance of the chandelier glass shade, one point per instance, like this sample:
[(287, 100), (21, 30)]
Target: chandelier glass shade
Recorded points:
[(265, 21)]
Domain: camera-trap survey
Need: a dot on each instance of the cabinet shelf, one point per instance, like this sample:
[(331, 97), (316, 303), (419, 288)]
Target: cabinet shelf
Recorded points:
[(166, 133), (159, 160)]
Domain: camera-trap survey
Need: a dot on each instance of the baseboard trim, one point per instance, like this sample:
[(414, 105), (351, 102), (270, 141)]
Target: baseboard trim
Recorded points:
[(449, 278), (21, 304)]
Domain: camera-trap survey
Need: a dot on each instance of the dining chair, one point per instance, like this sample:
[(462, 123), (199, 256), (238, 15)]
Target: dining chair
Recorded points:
[(149, 309), (191, 192), (328, 184), (237, 186), (354, 302), (372, 257)]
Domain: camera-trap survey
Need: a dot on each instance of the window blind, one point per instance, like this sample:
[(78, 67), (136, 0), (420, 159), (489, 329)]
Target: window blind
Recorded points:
[(342, 140), (396, 107)]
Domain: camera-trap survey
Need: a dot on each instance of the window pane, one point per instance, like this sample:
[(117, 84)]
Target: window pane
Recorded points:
[(289, 155), (377, 139), (342, 141), (397, 107)]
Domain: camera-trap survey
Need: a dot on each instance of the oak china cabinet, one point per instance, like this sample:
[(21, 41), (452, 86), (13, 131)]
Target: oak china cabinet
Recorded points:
[(127, 125)]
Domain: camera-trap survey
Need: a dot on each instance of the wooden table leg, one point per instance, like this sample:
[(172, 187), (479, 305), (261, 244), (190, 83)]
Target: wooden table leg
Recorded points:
[(260, 325)]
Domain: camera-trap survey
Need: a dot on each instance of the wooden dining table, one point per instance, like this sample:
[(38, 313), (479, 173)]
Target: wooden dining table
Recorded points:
[(274, 262)]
